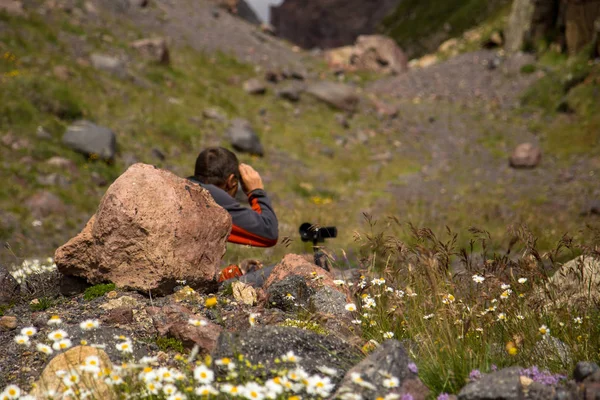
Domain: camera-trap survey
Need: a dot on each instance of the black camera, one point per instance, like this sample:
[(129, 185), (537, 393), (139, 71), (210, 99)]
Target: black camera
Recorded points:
[(315, 233)]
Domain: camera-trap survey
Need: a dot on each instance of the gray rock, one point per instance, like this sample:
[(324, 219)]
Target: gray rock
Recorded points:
[(328, 301), (109, 64), (338, 95), (390, 359), (91, 140), (291, 91), (41, 133), (265, 344), (526, 155), (44, 204), (214, 113), (9, 287), (552, 349), (500, 385), (583, 369), (54, 179), (342, 120), (254, 86), (243, 138), (294, 285)]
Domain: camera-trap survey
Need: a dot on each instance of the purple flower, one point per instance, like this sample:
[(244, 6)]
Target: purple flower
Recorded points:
[(443, 396), (412, 367), (494, 368), (406, 396), (543, 377), (475, 375)]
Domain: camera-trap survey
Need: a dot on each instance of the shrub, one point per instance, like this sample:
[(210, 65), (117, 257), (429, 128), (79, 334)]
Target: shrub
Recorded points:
[(98, 290)]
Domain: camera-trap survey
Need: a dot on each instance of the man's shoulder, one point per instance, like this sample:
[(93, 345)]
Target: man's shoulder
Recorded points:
[(220, 196)]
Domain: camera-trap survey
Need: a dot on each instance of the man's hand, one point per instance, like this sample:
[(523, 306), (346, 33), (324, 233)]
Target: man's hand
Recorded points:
[(251, 180)]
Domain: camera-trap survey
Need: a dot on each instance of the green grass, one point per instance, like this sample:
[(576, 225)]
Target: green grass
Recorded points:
[(96, 291), (42, 304)]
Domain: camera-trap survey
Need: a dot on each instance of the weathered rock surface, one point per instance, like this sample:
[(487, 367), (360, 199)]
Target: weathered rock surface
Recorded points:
[(500, 385), (577, 281), (278, 293), (526, 155), (43, 204), (9, 287), (243, 138), (69, 360), (388, 361), (154, 49), (329, 301), (8, 323), (151, 229), (372, 53), (338, 95), (265, 344), (91, 140), (172, 320), (328, 23)]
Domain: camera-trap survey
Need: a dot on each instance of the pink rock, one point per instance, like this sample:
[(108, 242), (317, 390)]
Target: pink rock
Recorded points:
[(151, 229)]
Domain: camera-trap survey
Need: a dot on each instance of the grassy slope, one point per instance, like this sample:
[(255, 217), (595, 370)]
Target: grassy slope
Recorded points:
[(418, 26)]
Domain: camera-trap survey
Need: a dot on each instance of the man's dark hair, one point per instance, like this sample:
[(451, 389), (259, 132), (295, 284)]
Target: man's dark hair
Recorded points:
[(215, 164)]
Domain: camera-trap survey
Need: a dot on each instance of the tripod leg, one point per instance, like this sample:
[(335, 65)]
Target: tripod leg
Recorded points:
[(321, 259)]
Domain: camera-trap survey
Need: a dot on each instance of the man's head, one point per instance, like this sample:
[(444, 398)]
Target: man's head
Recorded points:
[(220, 167)]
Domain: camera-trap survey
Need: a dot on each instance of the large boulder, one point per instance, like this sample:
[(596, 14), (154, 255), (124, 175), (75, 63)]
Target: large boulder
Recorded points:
[(338, 95), (71, 360), (529, 22), (91, 140), (372, 53), (265, 344), (388, 361), (243, 138), (151, 229)]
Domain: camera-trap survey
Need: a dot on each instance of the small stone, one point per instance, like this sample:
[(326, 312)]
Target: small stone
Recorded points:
[(34, 302), (8, 323), (526, 155), (254, 86), (41, 133), (112, 294), (243, 138), (214, 113), (120, 316)]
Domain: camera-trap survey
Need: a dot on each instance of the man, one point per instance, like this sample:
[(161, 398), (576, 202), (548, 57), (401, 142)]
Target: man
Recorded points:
[(219, 171)]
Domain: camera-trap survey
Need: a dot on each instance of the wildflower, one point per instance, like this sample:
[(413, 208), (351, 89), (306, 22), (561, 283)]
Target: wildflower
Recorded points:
[(388, 335), (57, 335), (62, 344), (351, 307), (351, 396), (274, 387), (504, 286), (71, 378), (391, 382), (226, 362), (253, 391), (113, 379), (511, 349), (22, 340), (522, 280), (478, 278), (474, 375), (252, 319), (203, 374), (12, 391), (501, 317), (89, 324), (544, 330), (327, 370), (578, 320), (407, 396), (443, 396), (428, 316), (339, 282), (479, 329), (448, 299), (54, 320), (91, 364), (320, 386), (125, 347), (177, 396), (505, 294), (153, 387), (230, 389), (148, 360), (211, 302), (412, 367), (165, 375), (205, 390), (356, 378), (519, 316), (399, 293), (169, 389), (197, 322), (289, 297), (290, 357), (42, 348), (356, 321), (378, 281), (29, 331)]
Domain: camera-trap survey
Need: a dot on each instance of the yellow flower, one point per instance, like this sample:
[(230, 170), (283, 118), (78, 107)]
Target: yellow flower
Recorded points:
[(511, 348), (211, 302)]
